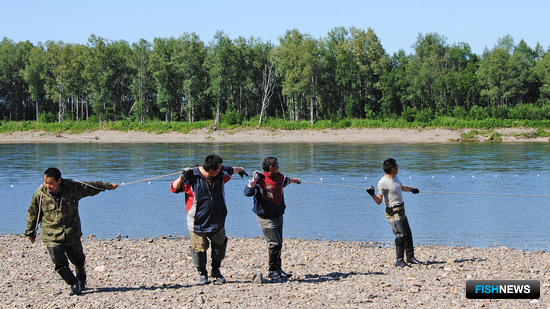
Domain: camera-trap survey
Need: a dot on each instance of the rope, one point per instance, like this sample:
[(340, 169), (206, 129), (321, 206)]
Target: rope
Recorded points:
[(333, 185), (89, 185), (436, 192), (147, 179), (488, 194)]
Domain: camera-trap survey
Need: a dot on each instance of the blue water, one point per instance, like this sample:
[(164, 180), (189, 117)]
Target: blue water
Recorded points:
[(313, 211)]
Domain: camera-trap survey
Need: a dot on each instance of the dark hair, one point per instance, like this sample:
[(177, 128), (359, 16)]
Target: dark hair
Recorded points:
[(212, 162), (53, 172), (268, 163), (389, 164)]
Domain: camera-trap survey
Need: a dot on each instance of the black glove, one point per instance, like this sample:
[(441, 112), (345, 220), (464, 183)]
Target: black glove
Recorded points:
[(186, 173), (370, 190), (258, 176), (243, 173), (415, 191)]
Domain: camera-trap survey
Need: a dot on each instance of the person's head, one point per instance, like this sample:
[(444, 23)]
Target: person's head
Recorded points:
[(212, 164), (389, 165), (52, 179), (271, 164)]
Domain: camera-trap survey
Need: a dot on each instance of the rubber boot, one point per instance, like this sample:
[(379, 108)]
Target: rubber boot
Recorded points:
[(71, 280), (81, 276), (199, 260), (410, 257), (273, 272), (280, 270), (218, 254), (399, 249)]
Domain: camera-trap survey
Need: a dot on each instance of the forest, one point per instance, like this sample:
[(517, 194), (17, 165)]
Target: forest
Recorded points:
[(346, 75)]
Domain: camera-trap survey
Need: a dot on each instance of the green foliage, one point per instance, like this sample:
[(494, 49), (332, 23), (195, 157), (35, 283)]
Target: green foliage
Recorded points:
[(495, 137), (230, 118), (47, 117), (345, 79), (478, 113)]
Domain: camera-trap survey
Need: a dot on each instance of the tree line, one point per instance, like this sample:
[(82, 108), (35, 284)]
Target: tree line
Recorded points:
[(346, 74)]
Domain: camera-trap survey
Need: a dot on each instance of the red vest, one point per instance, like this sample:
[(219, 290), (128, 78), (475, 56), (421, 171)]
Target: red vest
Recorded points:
[(273, 187)]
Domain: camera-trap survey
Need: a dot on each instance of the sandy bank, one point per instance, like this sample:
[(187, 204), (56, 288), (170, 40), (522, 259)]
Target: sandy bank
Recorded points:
[(367, 136), (157, 273)]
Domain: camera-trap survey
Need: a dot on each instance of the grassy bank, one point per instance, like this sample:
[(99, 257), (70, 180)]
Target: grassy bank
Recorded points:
[(272, 123)]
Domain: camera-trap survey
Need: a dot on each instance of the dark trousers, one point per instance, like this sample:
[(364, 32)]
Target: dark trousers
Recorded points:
[(273, 233), (74, 252), (403, 236)]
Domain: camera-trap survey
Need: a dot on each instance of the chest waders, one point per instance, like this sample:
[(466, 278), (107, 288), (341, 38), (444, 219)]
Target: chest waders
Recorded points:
[(402, 231)]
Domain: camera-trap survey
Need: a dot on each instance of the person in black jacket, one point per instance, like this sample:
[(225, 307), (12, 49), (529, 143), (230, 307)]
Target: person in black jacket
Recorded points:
[(206, 212), (269, 206)]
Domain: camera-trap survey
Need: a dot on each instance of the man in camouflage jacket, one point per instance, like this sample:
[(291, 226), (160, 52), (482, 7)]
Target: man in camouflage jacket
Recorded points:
[(55, 207)]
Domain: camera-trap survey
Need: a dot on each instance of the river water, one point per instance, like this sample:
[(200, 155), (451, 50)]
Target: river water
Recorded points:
[(314, 211)]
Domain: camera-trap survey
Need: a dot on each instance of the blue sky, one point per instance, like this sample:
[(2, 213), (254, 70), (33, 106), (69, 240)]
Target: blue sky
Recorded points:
[(397, 23)]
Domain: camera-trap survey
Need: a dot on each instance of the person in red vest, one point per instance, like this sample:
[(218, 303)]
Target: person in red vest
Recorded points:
[(269, 205)]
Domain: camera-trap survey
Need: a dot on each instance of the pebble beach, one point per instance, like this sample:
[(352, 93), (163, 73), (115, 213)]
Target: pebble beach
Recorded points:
[(158, 273)]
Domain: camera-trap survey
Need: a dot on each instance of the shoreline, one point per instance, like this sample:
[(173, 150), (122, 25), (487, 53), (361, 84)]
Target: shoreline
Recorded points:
[(159, 273), (364, 136)]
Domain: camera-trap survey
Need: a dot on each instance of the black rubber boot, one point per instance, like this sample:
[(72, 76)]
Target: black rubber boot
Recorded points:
[(81, 276), (410, 257), (217, 277), (274, 272), (399, 248), (273, 259), (199, 260), (280, 270), (71, 280), (218, 254)]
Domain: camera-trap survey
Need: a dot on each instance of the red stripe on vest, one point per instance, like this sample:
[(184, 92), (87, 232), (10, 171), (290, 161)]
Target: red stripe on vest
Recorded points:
[(189, 196), (273, 186)]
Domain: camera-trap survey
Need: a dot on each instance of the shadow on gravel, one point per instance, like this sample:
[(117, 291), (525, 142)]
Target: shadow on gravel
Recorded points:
[(140, 288), (334, 276), (455, 261)]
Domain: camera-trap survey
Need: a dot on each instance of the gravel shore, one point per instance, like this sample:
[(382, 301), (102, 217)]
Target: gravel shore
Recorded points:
[(158, 273)]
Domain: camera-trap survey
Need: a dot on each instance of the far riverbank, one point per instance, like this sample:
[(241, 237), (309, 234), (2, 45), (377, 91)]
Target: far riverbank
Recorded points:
[(355, 135)]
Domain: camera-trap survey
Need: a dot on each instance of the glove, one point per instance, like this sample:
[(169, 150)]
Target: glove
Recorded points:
[(415, 191), (370, 190), (186, 173), (298, 181), (258, 175), (243, 173)]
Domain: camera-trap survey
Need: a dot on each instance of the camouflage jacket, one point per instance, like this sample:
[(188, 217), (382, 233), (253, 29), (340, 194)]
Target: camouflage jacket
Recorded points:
[(60, 222)]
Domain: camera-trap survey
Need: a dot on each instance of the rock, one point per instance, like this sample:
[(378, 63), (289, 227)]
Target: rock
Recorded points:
[(155, 273)]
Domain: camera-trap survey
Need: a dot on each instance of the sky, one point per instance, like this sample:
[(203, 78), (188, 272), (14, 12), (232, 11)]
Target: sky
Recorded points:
[(396, 23)]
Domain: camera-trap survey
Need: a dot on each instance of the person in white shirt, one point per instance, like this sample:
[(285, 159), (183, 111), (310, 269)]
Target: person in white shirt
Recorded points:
[(390, 190)]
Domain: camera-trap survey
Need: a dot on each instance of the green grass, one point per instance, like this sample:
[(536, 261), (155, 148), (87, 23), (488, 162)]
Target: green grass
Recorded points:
[(276, 123)]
